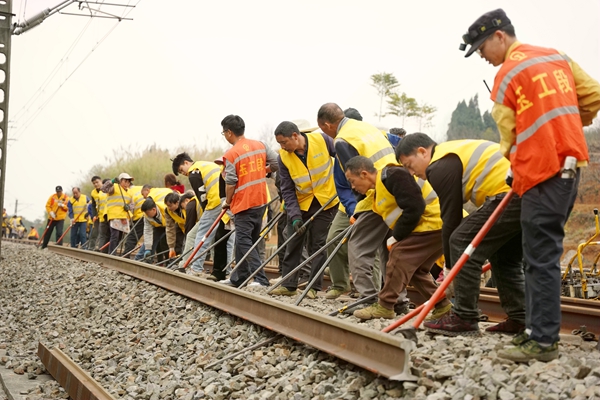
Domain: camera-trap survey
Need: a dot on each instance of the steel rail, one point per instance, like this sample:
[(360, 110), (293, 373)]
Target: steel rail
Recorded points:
[(383, 354), (76, 382)]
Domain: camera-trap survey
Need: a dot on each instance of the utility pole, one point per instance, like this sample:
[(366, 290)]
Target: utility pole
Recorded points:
[(16, 206), (5, 40)]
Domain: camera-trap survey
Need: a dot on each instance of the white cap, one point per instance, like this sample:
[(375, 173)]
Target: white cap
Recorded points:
[(125, 175)]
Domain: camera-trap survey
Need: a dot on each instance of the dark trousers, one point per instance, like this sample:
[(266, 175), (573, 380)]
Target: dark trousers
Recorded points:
[(135, 235), (159, 243), (317, 237), (59, 231), (502, 247), (247, 231), (115, 238), (220, 250), (94, 234), (546, 208), (179, 240), (103, 236), (78, 234), (410, 261)]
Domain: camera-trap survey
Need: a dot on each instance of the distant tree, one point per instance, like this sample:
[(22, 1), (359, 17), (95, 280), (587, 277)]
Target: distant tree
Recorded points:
[(425, 114), (466, 122), (402, 106), (491, 129), (384, 83)]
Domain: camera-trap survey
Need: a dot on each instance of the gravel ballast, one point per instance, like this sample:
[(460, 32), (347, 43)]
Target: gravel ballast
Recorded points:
[(143, 342)]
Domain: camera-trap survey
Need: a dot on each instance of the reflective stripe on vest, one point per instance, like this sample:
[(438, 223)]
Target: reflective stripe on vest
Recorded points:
[(316, 178), (484, 167), (138, 200), (100, 199), (538, 85), (79, 206), (179, 219), (249, 158), (385, 205), (210, 177), (369, 142)]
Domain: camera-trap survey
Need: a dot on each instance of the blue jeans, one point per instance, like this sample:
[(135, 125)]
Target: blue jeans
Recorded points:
[(546, 208), (77, 234), (206, 220), (248, 225)]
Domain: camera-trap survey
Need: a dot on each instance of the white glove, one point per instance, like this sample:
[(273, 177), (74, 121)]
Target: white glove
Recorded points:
[(61, 204), (391, 242), (52, 214), (450, 288)]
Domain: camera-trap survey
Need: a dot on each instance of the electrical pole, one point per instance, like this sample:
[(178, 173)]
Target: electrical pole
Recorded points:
[(16, 206), (5, 40)]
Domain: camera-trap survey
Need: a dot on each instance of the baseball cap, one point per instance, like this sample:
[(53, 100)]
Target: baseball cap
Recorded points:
[(482, 28), (125, 175), (59, 188)]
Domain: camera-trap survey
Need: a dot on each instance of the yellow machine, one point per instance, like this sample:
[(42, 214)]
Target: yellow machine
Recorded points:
[(582, 284)]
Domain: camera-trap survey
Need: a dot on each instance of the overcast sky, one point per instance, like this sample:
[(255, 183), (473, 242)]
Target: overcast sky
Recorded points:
[(171, 75)]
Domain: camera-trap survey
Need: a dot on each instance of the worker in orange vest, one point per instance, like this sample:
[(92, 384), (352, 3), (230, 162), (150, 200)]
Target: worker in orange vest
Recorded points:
[(57, 208)]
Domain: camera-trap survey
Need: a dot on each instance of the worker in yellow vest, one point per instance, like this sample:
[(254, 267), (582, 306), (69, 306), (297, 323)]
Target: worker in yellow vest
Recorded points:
[(354, 138), (306, 174), (78, 214), (411, 209), (119, 205), (175, 218), (155, 240), (33, 234), (100, 234), (56, 207), (137, 229)]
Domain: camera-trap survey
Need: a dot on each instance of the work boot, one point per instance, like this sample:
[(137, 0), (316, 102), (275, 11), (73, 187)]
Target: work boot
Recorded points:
[(283, 291), (402, 308), (312, 294), (509, 326), (530, 350), (453, 325), (439, 313), (375, 310), (334, 293), (520, 338)]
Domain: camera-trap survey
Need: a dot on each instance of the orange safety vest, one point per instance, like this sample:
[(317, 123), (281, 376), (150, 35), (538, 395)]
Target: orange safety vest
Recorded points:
[(249, 157), (537, 83)]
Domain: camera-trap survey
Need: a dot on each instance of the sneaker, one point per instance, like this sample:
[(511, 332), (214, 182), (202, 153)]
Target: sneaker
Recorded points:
[(274, 280), (194, 272), (401, 308), (375, 310), (520, 338), (226, 282), (452, 325), (438, 313), (334, 293), (530, 350), (507, 326), (212, 278), (283, 291), (326, 272), (254, 284), (312, 294)]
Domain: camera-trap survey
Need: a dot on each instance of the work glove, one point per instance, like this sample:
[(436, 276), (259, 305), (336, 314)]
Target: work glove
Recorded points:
[(126, 207), (52, 214), (172, 253), (225, 205), (509, 177), (391, 242), (147, 253), (107, 187), (299, 227), (61, 204), (450, 288), (352, 220), (94, 219)]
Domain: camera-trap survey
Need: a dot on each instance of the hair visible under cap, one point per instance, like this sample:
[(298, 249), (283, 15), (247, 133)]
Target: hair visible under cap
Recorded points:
[(148, 204), (286, 129), (235, 124), (409, 145), (172, 198), (353, 114), (330, 112), (360, 163), (179, 160)]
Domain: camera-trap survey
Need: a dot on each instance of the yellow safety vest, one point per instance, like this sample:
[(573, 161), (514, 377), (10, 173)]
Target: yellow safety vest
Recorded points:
[(210, 176), (386, 206), (370, 142), (138, 200), (79, 206), (100, 199), (161, 209), (315, 179), (484, 167), (4, 220), (179, 220), (159, 194), (116, 201)]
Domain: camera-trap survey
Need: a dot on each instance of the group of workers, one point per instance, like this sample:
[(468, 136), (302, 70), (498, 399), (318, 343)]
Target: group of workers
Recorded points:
[(387, 207), (13, 227)]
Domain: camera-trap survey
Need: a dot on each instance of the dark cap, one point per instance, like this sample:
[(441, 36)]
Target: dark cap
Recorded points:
[(353, 113), (481, 29), (59, 188)]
